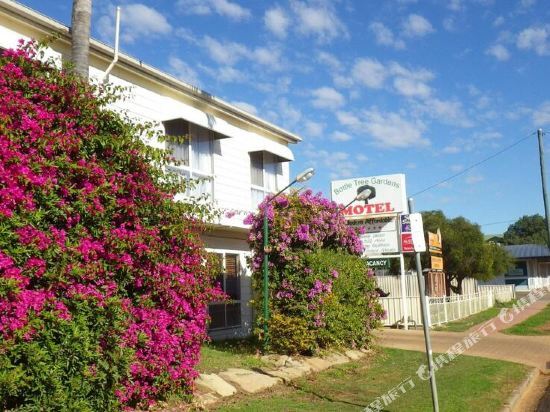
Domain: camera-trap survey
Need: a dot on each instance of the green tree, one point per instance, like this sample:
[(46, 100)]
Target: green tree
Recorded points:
[(527, 229), (465, 253)]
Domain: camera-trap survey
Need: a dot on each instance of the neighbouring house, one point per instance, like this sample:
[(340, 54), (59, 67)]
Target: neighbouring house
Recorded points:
[(531, 267), (240, 156)]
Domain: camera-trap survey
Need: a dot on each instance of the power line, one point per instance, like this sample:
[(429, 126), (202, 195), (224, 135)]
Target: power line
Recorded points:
[(474, 165), (497, 223)]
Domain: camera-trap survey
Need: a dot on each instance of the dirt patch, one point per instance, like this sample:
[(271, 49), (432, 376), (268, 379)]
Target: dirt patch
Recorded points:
[(544, 328), (533, 397)]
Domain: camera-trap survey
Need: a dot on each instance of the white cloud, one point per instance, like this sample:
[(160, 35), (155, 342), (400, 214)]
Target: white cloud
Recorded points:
[(277, 87), (499, 21), (337, 162), (455, 5), (330, 61), (313, 129), (349, 120), (541, 116), (229, 53), (473, 179), (446, 111), (421, 74), (411, 83), (488, 135), (385, 37), (228, 74), (137, 21), (417, 26), (452, 149), (266, 56), (341, 80), (327, 98), (277, 21), (247, 107), (285, 114), (222, 7), (369, 72), (392, 130), (527, 3), (449, 24), (499, 52), (224, 53), (456, 168), (183, 71), (387, 129), (318, 20), (535, 38), (340, 136), (411, 88)]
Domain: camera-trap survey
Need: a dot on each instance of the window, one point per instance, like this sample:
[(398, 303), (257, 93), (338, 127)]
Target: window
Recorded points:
[(191, 146), (227, 314), (265, 171), (519, 270)]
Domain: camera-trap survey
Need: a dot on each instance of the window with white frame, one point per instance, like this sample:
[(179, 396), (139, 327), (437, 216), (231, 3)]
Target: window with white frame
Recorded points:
[(227, 314), (192, 147), (265, 175)]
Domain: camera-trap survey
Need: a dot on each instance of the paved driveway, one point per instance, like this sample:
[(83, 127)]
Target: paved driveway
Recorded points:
[(529, 350)]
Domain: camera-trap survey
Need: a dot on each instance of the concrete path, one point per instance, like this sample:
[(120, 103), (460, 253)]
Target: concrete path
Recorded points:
[(529, 350)]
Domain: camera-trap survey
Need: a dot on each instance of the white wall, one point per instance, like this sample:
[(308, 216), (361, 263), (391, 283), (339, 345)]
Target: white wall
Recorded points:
[(155, 103)]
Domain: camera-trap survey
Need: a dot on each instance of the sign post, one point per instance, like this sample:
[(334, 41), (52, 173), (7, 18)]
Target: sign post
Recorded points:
[(421, 289), (378, 214), (404, 297)]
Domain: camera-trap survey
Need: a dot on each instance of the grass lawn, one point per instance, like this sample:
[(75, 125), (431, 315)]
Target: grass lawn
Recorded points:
[(467, 384), (237, 353), (462, 325), (538, 324)]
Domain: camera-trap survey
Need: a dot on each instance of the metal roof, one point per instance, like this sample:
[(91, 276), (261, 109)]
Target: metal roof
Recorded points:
[(528, 251)]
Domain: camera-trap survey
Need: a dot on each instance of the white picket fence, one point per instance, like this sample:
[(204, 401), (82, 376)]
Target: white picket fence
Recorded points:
[(538, 282), (392, 285), (446, 309)]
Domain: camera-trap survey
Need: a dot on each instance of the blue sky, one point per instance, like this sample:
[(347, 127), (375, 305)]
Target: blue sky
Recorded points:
[(424, 88)]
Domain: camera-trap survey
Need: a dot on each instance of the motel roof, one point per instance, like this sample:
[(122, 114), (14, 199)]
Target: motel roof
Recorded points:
[(529, 251)]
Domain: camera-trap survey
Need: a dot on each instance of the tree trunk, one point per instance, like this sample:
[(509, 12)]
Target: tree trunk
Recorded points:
[(80, 36), (459, 285)]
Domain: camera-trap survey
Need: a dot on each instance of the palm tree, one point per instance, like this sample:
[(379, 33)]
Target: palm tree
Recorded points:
[(80, 35)]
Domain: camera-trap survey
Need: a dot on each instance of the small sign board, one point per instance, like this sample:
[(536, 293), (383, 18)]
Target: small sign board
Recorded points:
[(437, 262), (376, 224), (376, 244), (434, 242), (378, 263), (412, 233)]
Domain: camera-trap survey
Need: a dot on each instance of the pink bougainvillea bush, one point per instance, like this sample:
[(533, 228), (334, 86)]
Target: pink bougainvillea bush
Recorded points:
[(321, 294), (104, 282)]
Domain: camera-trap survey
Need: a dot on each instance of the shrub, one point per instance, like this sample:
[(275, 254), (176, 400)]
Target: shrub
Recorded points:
[(104, 282), (321, 294)]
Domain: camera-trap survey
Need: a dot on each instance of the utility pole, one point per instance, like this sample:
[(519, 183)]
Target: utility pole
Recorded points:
[(426, 327), (540, 133)]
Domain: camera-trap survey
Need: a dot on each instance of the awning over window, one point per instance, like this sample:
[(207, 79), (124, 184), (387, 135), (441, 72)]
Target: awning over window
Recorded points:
[(180, 126), (262, 144), (251, 141)]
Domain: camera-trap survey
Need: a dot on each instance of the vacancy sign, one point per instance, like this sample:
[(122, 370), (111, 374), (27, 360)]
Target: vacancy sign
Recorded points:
[(412, 233), (385, 195)]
